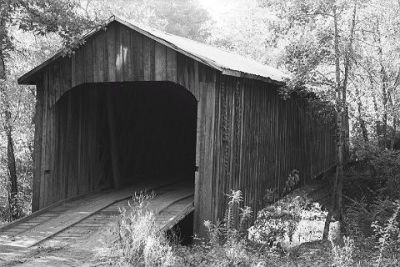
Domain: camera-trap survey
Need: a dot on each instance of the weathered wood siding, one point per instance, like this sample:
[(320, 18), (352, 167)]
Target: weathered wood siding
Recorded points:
[(248, 137), (120, 54), (115, 55), (260, 138)]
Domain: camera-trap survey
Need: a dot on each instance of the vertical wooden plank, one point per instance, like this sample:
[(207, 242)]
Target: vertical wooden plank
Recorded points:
[(38, 139), (120, 54), (217, 148), (127, 53), (57, 153), (67, 74), (152, 60), (190, 85), (71, 145), (44, 141), (50, 83), (73, 70), (111, 48), (205, 180), (88, 55), (101, 56), (160, 62), (172, 65), (148, 45), (185, 70), (196, 86), (180, 70), (94, 61), (200, 193), (80, 66), (139, 61), (139, 47), (56, 81), (105, 56), (48, 170)]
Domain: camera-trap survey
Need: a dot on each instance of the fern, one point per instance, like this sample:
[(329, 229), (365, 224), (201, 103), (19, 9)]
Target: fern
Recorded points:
[(388, 234)]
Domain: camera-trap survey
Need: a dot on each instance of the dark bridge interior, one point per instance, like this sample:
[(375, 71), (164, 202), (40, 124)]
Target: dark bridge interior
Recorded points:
[(139, 131)]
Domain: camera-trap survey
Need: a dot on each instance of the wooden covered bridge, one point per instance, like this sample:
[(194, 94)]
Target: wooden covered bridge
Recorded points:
[(133, 106)]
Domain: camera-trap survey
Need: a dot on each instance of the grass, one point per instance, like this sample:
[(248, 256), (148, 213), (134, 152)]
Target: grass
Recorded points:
[(286, 233), (137, 241)]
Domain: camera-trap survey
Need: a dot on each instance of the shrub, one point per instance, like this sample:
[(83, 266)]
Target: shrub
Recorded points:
[(375, 204), (139, 241), (373, 219), (342, 256), (276, 221), (388, 236), (228, 244)]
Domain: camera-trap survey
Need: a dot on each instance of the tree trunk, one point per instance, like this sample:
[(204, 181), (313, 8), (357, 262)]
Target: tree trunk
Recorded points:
[(392, 101), (393, 141), (393, 105), (15, 211), (383, 76), (363, 127), (385, 108), (376, 109), (336, 199), (347, 69)]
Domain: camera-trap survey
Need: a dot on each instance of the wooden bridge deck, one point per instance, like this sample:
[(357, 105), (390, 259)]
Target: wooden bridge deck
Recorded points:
[(78, 218)]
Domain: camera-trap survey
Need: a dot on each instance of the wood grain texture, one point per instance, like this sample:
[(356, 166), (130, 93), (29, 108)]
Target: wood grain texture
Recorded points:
[(245, 136), (260, 138)]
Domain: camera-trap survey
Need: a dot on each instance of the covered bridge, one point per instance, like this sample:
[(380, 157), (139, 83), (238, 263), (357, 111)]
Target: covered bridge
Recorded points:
[(136, 105)]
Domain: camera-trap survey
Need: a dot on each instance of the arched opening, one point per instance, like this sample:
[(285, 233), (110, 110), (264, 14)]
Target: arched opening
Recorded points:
[(121, 134)]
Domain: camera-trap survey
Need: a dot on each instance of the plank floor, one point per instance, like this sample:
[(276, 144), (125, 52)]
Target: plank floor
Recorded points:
[(78, 218)]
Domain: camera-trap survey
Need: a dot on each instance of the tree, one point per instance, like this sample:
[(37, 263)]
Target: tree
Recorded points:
[(40, 17), (378, 43), (319, 54), (181, 17), (248, 30)]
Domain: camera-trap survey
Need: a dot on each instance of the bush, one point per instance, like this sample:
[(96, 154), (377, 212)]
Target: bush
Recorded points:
[(139, 242), (278, 221), (377, 203), (228, 243), (228, 239), (388, 237), (372, 220), (342, 256)]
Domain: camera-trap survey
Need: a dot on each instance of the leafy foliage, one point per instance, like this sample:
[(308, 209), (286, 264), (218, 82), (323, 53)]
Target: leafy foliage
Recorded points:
[(388, 235), (180, 17), (138, 241), (343, 255), (277, 221)]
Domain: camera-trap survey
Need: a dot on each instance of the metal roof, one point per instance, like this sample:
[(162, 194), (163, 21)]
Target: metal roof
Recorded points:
[(226, 62)]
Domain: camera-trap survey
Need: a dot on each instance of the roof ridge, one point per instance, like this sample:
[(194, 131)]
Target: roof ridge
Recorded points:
[(227, 62)]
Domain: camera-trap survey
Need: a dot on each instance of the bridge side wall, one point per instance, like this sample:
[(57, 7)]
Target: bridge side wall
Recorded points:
[(260, 138)]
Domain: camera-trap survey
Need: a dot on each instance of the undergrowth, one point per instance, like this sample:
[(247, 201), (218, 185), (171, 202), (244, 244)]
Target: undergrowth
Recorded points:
[(277, 236), (138, 241), (372, 214)]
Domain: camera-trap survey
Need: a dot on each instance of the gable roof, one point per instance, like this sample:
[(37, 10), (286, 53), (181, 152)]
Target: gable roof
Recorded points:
[(226, 62)]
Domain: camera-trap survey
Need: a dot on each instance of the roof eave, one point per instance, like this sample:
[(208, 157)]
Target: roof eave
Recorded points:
[(31, 77), (240, 74)]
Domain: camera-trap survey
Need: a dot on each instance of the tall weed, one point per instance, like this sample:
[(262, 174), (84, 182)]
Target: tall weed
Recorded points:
[(139, 242)]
